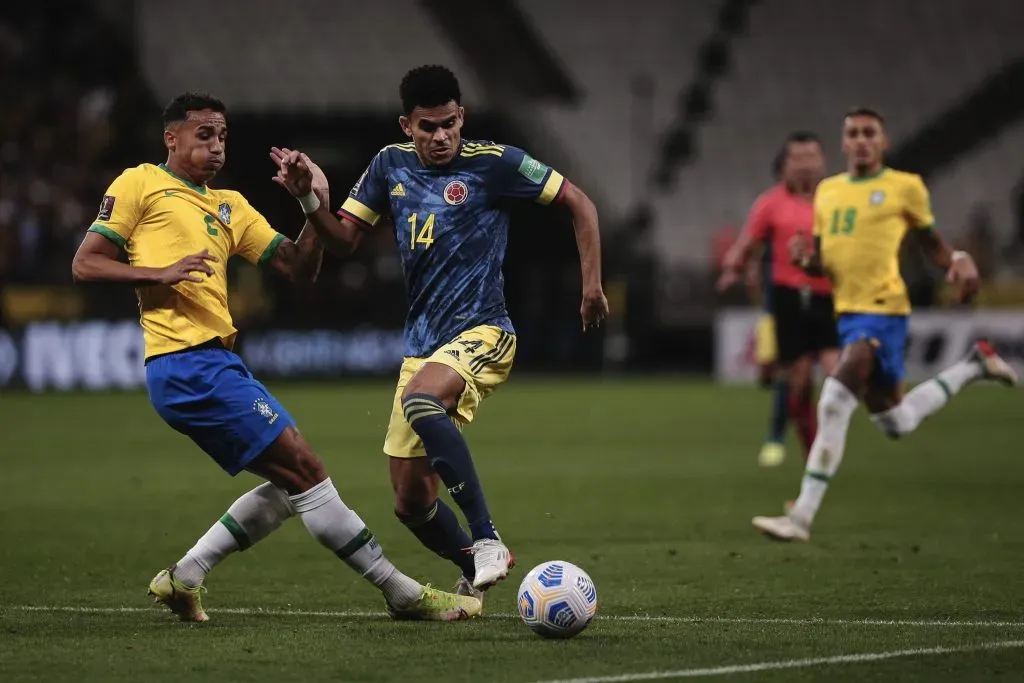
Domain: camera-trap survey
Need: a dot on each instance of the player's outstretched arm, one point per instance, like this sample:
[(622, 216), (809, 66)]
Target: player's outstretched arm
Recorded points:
[(97, 261), (735, 259), (297, 175), (959, 265), (588, 240)]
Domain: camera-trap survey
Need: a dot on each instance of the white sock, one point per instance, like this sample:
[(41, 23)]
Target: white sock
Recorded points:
[(927, 399), (835, 408), (341, 530), (249, 520)]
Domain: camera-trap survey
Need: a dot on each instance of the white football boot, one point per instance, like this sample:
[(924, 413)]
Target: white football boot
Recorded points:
[(995, 368), (783, 528), (492, 560)]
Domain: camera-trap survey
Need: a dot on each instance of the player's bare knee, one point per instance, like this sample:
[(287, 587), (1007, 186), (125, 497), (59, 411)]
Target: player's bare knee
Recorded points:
[(310, 469), (437, 381), (291, 464)]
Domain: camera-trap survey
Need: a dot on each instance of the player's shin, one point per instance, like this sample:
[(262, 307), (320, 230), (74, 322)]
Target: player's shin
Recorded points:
[(439, 530), (780, 415), (340, 529), (802, 413), (249, 520), (835, 408), (927, 398), (449, 455)]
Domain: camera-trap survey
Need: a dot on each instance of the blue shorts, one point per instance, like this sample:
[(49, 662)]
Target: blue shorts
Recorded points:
[(211, 397), (887, 333)]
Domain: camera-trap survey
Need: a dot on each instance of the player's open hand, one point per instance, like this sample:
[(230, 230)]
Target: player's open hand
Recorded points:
[(185, 270), (297, 173), (963, 273), (594, 308)]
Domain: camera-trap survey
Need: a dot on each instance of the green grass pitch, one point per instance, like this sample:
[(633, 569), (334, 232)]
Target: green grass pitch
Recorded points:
[(917, 559)]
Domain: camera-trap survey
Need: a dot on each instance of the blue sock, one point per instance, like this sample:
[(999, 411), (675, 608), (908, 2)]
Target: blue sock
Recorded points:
[(450, 458), (780, 411), (438, 529)]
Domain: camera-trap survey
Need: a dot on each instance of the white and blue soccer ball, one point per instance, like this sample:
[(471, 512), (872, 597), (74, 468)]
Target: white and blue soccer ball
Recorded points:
[(557, 599)]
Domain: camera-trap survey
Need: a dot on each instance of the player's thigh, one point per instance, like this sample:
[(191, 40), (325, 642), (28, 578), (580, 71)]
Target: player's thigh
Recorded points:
[(401, 441), (289, 463), (437, 380), (855, 367), (211, 397), (890, 342), (483, 358)]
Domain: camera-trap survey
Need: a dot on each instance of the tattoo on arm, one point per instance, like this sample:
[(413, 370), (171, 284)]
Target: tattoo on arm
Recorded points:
[(300, 260)]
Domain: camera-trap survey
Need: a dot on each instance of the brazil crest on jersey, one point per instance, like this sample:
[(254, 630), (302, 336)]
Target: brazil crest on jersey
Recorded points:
[(451, 230)]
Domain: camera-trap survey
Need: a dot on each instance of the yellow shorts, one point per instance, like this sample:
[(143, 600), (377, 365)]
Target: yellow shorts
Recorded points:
[(482, 356), (766, 349)]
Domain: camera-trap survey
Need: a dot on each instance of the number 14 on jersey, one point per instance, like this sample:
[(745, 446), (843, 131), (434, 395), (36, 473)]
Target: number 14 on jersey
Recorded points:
[(423, 234)]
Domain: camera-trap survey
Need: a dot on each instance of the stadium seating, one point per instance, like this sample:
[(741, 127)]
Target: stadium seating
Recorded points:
[(612, 136), (319, 57), (986, 176)]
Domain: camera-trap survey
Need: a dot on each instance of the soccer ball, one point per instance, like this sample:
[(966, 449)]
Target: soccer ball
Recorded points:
[(557, 599)]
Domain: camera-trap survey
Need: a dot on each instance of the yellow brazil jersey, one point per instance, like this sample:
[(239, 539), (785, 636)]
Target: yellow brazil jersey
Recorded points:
[(861, 223), (159, 218)]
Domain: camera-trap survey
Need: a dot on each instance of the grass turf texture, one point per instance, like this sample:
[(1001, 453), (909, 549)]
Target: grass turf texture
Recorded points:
[(649, 486)]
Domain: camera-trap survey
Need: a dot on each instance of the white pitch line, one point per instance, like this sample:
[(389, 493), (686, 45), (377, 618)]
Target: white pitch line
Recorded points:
[(781, 621), (794, 663)]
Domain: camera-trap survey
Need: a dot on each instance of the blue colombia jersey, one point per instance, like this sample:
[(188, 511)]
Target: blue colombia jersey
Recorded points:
[(451, 230)]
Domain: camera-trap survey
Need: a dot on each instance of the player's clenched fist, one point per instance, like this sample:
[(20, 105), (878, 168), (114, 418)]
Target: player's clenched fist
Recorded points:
[(594, 308), (183, 270), (964, 274)]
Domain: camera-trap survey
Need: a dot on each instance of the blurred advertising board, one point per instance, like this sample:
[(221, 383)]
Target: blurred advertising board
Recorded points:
[(101, 355)]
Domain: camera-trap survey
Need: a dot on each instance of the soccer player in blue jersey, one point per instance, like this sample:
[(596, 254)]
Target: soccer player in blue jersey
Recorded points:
[(444, 196)]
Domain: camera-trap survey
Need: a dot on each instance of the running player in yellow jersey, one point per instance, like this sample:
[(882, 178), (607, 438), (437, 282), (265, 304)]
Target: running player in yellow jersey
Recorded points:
[(179, 234), (860, 220)]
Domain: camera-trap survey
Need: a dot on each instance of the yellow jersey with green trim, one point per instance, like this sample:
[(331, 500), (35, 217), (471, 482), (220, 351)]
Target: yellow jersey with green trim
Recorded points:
[(861, 223), (451, 225), (158, 219)]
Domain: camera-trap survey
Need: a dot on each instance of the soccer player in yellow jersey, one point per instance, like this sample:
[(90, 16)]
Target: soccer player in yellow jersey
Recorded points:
[(179, 234), (860, 220)]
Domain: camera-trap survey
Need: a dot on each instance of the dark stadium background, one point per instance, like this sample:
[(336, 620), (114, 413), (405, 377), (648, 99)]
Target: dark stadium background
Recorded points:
[(631, 452), (82, 92)]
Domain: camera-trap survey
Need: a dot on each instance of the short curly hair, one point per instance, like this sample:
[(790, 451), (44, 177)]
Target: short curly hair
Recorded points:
[(177, 109), (430, 85)]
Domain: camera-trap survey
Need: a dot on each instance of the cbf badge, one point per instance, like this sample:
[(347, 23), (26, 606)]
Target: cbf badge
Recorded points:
[(224, 213), (877, 197)]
